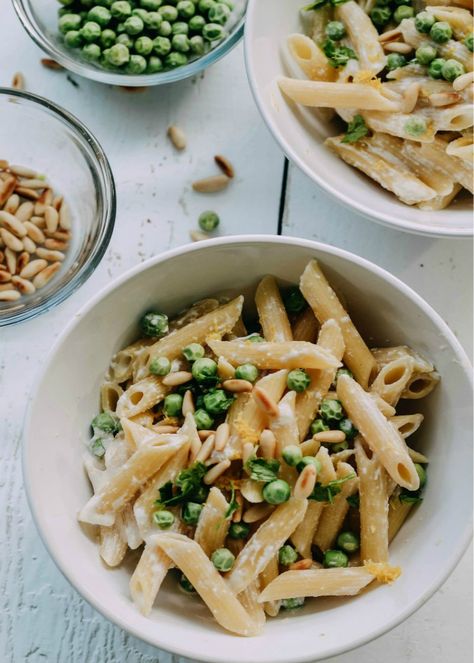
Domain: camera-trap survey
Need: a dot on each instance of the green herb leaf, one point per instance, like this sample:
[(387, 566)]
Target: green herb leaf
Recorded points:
[(262, 469), (166, 492), (327, 492), (356, 130), (353, 500), (335, 3), (315, 5), (410, 496), (189, 484), (233, 504), (338, 56)]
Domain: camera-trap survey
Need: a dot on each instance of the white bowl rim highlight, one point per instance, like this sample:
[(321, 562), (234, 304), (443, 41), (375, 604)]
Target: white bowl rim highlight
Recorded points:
[(181, 648)]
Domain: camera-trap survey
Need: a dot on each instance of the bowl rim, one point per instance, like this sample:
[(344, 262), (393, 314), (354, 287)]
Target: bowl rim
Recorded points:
[(389, 220), (181, 648), (107, 191), (126, 80)]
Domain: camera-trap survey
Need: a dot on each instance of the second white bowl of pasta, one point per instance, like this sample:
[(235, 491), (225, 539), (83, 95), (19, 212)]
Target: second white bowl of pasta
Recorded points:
[(404, 131), (255, 476)]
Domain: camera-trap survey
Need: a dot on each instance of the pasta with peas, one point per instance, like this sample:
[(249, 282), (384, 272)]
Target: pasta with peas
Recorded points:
[(264, 469)]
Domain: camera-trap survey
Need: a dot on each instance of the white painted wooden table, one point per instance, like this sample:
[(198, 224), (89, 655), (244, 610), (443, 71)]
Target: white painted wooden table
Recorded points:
[(42, 619)]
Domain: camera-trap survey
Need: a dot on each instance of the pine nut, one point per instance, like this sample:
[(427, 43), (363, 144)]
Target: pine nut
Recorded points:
[(46, 275), (55, 244), (64, 217), (5, 276), (39, 209), (257, 512), (52, 219), (46, 197), (33, 268), (33, 183), (237, 515), (306, 482), (9, 295), (204, 434), (197, 235), (211, 184), (225, 165), (57, 202), (25, 211), (177, 378), (13, 224), (51, 64), (267, 443), (29, 245), (225, 370), (7, 188), (50, 255), (390, 34), (177, 137), (4, 164), (330, 436), (397, 47), (5, 286), (24, 286), (237, 386), (264, 401), (10, 257), (23, 260), (38, 221), (18, 81), (215, 472), (188, 403), (165, 429), (12, 204), (31, 194), (222, 436), (10, 240), (463, 81), (247, 451), (22, 171), (301, 565), (63, 235), (444, 99), (34, 233), (206, 449)]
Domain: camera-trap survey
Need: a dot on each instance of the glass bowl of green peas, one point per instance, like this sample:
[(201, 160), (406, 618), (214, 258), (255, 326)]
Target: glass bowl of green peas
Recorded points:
[(134, 42)]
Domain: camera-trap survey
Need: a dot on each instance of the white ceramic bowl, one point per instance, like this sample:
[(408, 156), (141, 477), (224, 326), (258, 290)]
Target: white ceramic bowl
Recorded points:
[(387, 311), (301, 131)]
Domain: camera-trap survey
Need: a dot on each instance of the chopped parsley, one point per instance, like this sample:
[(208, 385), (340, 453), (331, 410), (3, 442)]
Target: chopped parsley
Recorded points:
[(189, 487), (262, 469), (233, 504), (320, 3), (327, 492), (353, 500), (338, 56), (356, 129)]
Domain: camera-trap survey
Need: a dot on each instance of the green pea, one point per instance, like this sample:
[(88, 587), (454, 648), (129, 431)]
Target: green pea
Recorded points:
[(205, 5), (435, 69), (164, 519), (292, 604), (223, 559), (90, 32), (69, 22), (196, 23), (318, 426), (160, 366), (174, 60), (153, 20), (193, 351), (247, 372), (154, 323), (229, 4), (141, 13), (441, 32), (121, 9), (403, 12), (165, 28), (96, 447), (217, 402), (106, 422), (425, 54), (186, 585), (469, 42), (169, 13), (136, 65), (348, 542), (151, 5), (203, 420), (348, 428), (341, 446), (190, 513), (91, 52), (335, 559), (180, 28), (219, 13), (133, 25), (335, 30), (331, 410), (144, 45), (154, 66), (308, 460), (293, 300), (186, 8), (100, 15), (276, 492), (239, 530), (415, 126), (382, 3), (298, 380), (118, 55), (420, 470), (73, 38), (120, 28), (161, 45), (451, 70), (344, 371), (395, 60), (172, 405), (213, 32), (424, 21), (255, 338), (107, 38), (292, 455), (204, 369), (380, 16), (125, 39), (180, 43), (208, 220), (287, 555)]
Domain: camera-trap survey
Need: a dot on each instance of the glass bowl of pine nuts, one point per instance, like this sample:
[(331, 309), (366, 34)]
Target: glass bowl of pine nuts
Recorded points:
[(57, 205)]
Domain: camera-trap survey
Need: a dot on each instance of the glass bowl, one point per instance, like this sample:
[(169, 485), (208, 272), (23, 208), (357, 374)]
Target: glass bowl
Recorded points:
[(40, 19), (40, 135)]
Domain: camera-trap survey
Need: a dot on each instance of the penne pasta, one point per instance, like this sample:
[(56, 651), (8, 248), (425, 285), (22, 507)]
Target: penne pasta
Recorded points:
[(148, 576), (397, 514), (363, 36), (310, 58), (420, 385), (407, 424), (249, 600), (110, 393), (284, 426), (334, 514), (213, 524), (269, 573), (271, 311), (393, 379), (141, 396), (306, 327)]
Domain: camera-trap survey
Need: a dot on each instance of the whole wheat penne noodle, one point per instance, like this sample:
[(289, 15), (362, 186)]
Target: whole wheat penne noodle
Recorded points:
[(420, 385), (393, 378), (434, 156), (308, 402), (271, 311), (383, 438), (317, 94), (197, 310), (148, 576), (326, 306), (398, 124), (130, 530), (462, 147), (113, 545), (121, 364), (140, 365), (212, 527), (239, 329), (310, 58), (136, 434), (284, 426), (317, 582), (456, 117), (319, 20), (122, 487), (266, 355), (209, 584), (333, 515), (407, 424), (213, 324), (363, 35), (306, 327), (327, 473), (110, 393), (265, 543), (384, 356), (249, 600), (373, 509), (269, 573), (141, 396), (302, 537), (397, 514), (459, 19), (417, 457), (144, 419)]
